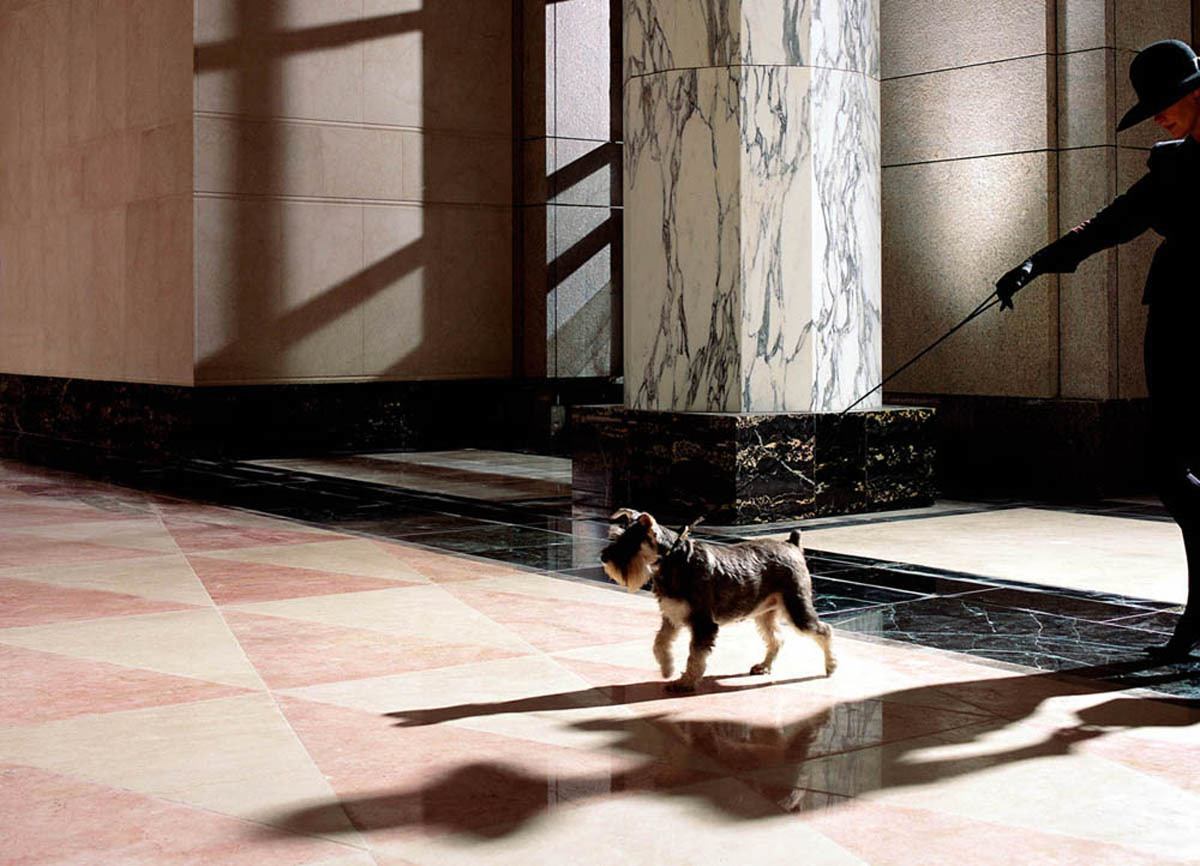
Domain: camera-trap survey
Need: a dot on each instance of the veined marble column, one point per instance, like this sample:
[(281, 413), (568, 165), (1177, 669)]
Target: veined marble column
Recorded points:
[(752, 239), (752, 272)]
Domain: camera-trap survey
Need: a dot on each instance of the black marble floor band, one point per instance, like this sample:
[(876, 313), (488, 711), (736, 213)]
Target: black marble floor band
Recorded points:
[(1095, 634)]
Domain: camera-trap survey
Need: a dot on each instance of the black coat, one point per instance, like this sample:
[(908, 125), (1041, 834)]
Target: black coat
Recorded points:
[(1167, 200)]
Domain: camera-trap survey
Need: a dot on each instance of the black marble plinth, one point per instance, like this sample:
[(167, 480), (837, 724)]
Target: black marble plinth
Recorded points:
[(1048, 449), (147, 421), (747, 468)]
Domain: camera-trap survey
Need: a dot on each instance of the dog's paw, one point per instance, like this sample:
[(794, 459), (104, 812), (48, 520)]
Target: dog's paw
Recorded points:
[(830, 667), (668, 671), (681, 687), (760, 669)]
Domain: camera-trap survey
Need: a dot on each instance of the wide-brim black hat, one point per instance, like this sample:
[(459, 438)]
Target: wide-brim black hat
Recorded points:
[(1161, 74)]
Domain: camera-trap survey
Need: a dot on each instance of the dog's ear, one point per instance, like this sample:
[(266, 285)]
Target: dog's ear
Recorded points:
[(653, 532), (621, 520)]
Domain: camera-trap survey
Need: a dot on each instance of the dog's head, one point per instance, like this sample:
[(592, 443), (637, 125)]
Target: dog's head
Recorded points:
[(637, 542)]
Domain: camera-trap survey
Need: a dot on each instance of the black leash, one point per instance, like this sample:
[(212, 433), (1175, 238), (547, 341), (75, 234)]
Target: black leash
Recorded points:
[(989, 302)]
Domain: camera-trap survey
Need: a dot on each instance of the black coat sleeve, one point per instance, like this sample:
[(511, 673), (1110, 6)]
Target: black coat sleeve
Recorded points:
[(1123, 220)]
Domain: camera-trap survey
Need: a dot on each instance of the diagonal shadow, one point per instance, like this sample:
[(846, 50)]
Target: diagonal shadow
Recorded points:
[(631, 693), (275, 43), (813, 762)]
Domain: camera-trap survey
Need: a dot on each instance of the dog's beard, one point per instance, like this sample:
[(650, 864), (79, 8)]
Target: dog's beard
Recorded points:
[(639, 572)]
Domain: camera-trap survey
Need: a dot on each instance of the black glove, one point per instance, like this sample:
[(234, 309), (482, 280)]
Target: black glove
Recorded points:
[(1015, 280)]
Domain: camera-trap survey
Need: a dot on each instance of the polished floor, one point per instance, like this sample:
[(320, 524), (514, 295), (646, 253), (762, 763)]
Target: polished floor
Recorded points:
[(296, 664)]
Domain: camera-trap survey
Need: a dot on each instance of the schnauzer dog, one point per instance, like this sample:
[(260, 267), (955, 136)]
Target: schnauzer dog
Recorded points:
[(705, 586)]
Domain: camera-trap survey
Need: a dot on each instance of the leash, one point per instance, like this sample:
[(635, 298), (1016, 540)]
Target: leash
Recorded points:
[(989, 302), (683, 533)]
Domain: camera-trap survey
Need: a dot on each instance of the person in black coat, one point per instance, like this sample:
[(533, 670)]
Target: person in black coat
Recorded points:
[(1166, 77)]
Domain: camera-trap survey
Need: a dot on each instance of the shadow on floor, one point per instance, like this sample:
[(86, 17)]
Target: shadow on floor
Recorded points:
[(755, 771)]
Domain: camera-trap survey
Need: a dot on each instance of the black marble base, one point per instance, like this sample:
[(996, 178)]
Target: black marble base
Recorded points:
[(1064, 450), (239, 422), (735, 469)]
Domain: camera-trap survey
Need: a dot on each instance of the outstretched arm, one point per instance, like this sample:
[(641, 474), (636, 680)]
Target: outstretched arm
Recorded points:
[(1126, 217)]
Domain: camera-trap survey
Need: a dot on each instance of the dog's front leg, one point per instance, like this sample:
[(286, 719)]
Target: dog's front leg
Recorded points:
[(662, 647), (704, 635)]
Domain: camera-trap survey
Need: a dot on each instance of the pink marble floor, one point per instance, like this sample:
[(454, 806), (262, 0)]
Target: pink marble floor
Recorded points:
[(212, 686)]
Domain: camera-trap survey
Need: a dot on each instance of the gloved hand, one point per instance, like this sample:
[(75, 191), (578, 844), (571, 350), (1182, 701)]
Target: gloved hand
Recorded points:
[(1015, 280)]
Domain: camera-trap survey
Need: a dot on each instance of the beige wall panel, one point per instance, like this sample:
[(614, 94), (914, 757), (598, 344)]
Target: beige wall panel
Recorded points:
[(32, 35), (1085, 99), (55, 237), (1084, 24), (444, 65), (1140, 22), (997, 108), (159, 50), (10, 73), (159, 322), (1133, 263), (22, 338), (237, 289), (448, 167), (320, 325), (256, 157), (294, 59), (582, 95), (924, 35), (1087, 298), (437, 298), (949, 231), (97, 101), (393, 63)]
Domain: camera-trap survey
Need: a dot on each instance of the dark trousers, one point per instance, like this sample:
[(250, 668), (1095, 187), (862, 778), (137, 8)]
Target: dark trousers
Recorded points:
[(1174, 443)]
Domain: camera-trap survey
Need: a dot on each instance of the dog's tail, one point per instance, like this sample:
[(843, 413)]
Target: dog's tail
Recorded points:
[(794, 538)]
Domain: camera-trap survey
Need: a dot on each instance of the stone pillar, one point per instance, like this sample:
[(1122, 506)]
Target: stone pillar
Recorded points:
[(752, 270), (752, 244)]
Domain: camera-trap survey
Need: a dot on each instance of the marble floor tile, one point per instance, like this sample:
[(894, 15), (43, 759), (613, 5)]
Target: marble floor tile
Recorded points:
[(24, 549), (231, 582), (427, 612), (27, 602), (1132, 557), (361, 557), (187, 643), (194, 537), (360, 699), (233, 756), (288, 653), (161, 578), (64, 820), (42, 687)]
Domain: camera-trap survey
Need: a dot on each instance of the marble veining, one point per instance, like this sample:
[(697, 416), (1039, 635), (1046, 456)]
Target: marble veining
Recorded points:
[(752, 239), (662, 35)]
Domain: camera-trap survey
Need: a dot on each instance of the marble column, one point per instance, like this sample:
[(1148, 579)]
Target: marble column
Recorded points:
[(752, 271), (752, 240)]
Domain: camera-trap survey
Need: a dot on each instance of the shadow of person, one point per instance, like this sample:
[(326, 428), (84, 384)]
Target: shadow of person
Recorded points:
[(750, 771)]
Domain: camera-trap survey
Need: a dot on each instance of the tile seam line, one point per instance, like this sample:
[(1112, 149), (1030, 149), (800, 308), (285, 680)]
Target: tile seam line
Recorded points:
[(351, 124), (498, 207), (722, 66), (943, 69)]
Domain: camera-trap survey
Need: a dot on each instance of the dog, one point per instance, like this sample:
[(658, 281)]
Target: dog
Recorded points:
[(705, 586)]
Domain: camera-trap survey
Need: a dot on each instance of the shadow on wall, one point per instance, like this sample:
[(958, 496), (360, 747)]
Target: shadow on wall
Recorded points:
[(431, 294)]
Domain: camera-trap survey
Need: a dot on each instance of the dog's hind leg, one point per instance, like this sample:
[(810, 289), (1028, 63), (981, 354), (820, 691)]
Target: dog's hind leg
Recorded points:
[(704, 635), (804, 617), (662, 647), (768, 627)]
